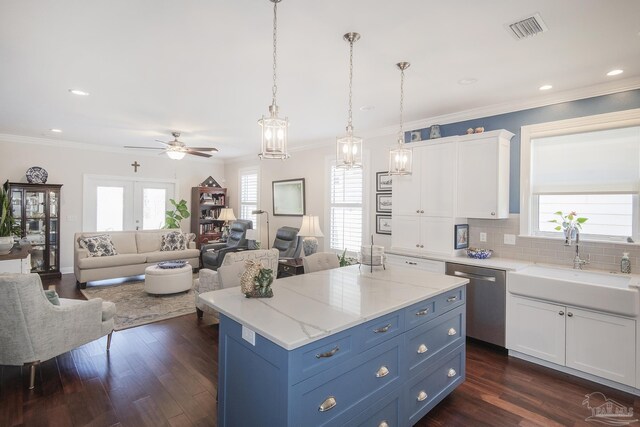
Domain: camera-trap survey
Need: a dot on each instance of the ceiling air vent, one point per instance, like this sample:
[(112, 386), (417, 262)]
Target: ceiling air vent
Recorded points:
[(527, 27)]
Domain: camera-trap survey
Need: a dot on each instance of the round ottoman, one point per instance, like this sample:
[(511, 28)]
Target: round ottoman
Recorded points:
[(167, 280)]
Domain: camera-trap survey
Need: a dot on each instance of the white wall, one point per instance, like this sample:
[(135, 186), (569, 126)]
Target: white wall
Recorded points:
[(67, 165), (311, 164)]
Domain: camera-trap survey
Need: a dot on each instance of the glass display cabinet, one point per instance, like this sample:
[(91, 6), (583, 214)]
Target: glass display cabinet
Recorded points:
[(36, 208)]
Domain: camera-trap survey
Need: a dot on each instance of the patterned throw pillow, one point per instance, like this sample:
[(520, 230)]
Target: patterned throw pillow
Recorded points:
[(99, 245), (173, 241)]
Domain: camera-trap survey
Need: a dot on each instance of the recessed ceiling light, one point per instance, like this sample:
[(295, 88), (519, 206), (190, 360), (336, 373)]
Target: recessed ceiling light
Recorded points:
[(78, 92), (467, 81), (56, 130), (367, 108), (545, 87), (615, 72)]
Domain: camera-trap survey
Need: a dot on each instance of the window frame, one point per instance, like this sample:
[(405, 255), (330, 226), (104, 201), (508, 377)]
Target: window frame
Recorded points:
[(251, 170)]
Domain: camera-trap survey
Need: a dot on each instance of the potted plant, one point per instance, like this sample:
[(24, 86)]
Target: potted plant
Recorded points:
[(8, 226), (173, 217)]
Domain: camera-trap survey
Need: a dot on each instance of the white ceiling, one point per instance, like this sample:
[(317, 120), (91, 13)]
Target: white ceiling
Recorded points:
[(204, 67)]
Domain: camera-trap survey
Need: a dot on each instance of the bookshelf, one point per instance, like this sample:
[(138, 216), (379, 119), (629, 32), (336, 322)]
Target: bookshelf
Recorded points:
[(206, 203)]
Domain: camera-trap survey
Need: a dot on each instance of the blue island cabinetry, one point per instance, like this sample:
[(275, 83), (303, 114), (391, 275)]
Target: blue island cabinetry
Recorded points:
[(389, 371)]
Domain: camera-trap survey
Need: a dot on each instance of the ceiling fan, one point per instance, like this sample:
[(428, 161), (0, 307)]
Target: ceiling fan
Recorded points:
[(176, 150)]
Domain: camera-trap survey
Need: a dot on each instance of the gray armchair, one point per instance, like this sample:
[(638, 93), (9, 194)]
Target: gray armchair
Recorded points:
[(288, 242), (32, 329), (212, 254)]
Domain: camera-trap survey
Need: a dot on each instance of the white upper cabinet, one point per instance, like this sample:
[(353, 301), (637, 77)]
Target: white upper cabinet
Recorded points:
[(483, 175)]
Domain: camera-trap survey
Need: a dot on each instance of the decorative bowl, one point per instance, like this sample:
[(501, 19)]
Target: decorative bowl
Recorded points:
[(479, 253)]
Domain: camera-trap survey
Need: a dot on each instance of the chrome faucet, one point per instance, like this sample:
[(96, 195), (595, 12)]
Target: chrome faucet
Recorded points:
[(577, 261)]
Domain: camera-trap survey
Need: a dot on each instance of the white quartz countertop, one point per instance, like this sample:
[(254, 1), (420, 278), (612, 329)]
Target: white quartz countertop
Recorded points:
[(497, 263), (308, 307)]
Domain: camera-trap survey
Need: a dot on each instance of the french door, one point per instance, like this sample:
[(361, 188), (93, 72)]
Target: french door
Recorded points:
[(115, 203)]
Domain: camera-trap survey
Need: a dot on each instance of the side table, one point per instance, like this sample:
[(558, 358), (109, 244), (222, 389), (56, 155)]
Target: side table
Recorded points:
[(290, 267)]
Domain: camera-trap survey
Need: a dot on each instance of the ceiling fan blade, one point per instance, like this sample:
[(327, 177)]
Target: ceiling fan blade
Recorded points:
[(162, 142), (143, 148), (203, 148), (195, 153)]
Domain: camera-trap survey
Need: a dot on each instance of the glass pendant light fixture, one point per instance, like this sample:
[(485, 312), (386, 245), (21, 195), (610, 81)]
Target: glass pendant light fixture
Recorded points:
[(349, 147), (399, 156), (274, 129)]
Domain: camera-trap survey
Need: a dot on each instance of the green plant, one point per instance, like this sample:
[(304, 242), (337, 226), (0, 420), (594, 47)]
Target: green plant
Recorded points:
[(8, 225), (569, 221), (173, 217), (344, 260), (263, 282)]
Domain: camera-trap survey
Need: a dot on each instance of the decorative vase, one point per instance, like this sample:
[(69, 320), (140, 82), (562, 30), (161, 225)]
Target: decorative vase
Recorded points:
[(262, 284), (570, 235)]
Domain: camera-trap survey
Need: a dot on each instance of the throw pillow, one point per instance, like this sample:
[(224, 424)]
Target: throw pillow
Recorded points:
[(173, 241), (52, 296), (98, 245)]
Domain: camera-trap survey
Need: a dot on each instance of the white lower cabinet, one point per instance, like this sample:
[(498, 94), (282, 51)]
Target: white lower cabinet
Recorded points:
[(596, 343), (419, 263)]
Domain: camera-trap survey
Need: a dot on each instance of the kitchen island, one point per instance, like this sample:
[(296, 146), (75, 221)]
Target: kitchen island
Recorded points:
[(340, 346)]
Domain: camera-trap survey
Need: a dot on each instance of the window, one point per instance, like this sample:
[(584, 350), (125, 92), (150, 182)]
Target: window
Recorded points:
[(592, 168), (249, 194), (346, 209)]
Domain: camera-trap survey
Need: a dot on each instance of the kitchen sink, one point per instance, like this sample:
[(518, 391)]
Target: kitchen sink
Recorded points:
[(609, 292)]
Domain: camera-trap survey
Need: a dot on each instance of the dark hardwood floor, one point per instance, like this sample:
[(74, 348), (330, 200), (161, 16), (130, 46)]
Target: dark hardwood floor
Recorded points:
[(165, 374)]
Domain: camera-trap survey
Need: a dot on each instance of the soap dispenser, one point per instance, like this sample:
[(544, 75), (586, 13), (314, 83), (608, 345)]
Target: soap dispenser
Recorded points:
[(625, 263)]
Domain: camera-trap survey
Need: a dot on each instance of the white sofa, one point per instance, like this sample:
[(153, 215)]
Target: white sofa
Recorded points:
[(136, 250)]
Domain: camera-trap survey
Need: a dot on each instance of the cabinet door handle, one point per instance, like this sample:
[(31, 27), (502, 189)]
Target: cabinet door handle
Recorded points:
[(328, 353), (383, 424), (422, 396), (421, 211), (417, 245), (382, 372), (417, 210), (422, 246), (451, 373), (329, 403), (561, 313), (411, 263), (452, 299), (383, 329), (423, 312), (422, 349), (493, 214), (451, 332), (570, 314)]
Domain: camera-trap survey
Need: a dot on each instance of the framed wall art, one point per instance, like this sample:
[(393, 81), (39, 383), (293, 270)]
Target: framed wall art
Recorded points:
[(383, 202), (383, 181), (383, 224), (461, 236), (288, 197)]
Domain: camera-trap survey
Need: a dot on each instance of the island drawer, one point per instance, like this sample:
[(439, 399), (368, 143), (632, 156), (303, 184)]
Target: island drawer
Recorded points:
[(378, 330), (432, 338), (429, 387), (323, 354), (321, 400), (448, 300), (387, 412), (419, 313)]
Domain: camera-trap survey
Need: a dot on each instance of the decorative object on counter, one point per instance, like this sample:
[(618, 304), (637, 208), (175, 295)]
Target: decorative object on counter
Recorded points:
[(256, 281), (625, 263), (252, 268), (345, 260), (167, 265), (383, 202), (210, 182), (8, 227), (479, 253), (434, 132), (226, 215), (372, 255), (384, 182), (479, 130), (310, 229), (470, 131), (416, 136), (461, 236), (288, 197), (173, 217), (37, 175), (260, 212), (400, 157), (383, 224), (570, 225), (349, 147)]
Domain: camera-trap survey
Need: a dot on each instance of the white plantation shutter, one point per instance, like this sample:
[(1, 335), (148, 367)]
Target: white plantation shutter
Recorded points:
[(346, 210), (249, 195)]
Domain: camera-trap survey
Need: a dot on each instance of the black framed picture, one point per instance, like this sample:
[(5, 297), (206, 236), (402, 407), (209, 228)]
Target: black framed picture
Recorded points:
[(288, 197), (383, 181), (383, 224), (461, 236), (383, 202)]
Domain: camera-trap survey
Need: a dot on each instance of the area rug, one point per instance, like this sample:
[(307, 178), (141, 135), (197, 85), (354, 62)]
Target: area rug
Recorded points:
[(135, 307)]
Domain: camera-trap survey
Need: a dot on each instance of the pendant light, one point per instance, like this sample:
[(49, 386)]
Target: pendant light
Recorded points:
[(274, 129), (349, 147), (399, 156)]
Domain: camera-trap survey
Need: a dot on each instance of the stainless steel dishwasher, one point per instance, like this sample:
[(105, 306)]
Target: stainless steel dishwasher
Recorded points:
[(486, 301)]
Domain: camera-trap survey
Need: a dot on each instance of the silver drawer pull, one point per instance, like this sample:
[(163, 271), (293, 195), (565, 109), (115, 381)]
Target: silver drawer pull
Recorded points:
[(411, 263), (383, 424), (422, 312), (329, 403), (451, 373), (383, 329), (328, 353), (452, 299), (382, 372), (422, 396), (451, 332), (422, 349)]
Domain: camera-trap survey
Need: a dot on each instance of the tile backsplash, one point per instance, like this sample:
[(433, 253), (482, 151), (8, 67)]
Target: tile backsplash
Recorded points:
[(604, 256)]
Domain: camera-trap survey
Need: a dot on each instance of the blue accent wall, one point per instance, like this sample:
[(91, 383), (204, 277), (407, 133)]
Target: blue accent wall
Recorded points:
[(514, 121)]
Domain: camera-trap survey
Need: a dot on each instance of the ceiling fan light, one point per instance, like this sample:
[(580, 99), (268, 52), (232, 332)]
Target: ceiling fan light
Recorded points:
[(175, 155)]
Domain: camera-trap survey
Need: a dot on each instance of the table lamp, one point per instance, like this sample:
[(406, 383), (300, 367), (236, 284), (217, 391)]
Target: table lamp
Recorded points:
[(310, 229), (226, 215)]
